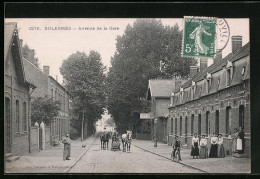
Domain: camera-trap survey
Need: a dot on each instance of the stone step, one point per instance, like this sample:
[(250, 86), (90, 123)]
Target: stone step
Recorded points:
[(8, 155), (240, 155), (13, 158)]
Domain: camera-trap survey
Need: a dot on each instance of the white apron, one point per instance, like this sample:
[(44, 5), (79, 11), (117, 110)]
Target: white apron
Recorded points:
[(239, 144)]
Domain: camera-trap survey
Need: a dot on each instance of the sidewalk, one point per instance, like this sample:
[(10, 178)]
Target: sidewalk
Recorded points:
[(228, 164), (50, 160)]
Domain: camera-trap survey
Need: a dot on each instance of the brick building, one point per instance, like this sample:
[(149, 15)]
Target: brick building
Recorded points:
[(216, 99), (159, 92), (48, 86), (17, 96)]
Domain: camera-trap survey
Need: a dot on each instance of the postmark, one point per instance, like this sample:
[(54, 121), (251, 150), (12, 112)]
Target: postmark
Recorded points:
[(223, 34), (199, 38)]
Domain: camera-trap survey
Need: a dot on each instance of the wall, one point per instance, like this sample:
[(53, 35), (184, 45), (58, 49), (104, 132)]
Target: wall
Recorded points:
[(233, 97), (34, 139)]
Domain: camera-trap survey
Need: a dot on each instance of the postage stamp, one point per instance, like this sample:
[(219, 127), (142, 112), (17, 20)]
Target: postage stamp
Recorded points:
[(199, 38)]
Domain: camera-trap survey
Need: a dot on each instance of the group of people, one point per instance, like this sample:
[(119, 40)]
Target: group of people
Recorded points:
[(199, 147)]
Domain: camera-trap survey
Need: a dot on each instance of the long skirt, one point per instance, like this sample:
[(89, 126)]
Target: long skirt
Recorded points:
[(195, 150), (213, 153), (203, 152), (221, 151), (234, 145), (239, 146), (66, 153)]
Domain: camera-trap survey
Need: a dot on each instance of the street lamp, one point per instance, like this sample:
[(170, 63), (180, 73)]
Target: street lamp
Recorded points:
[(155, 139)]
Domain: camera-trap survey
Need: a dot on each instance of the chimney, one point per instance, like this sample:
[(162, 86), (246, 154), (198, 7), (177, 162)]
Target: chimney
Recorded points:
[(193, 71), (21, 46), (46, 70), (203, 64), (218, 56), (236, 43), (57, 78)]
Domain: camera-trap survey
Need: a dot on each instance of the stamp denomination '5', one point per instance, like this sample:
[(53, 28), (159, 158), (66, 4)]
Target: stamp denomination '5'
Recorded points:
[(199, 37)]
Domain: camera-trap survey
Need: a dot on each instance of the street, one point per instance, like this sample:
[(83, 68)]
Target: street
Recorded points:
[(135, 161)]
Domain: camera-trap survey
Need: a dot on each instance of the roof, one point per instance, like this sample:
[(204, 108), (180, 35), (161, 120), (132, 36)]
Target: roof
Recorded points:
[(161, 87), (35, 75), (9, 31), (242, 52), (11, 41)]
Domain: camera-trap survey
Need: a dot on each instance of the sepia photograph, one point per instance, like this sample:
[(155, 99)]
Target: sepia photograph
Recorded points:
[(127, 95)]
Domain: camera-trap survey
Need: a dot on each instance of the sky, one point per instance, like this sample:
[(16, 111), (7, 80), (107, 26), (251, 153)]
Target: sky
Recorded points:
[(86, 34)]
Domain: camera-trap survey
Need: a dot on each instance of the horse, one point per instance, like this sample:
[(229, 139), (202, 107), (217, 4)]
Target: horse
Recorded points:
[(104, 140), (126, 140)]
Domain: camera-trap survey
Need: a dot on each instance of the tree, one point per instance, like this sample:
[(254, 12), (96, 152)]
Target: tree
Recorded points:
[(84, 78), (146, 50), (29, 54), (44, 109)]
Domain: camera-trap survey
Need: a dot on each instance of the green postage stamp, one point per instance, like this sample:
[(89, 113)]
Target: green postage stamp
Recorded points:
[(199, 38)]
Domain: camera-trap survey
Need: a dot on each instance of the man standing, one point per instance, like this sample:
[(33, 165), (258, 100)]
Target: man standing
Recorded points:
[(67, 147)]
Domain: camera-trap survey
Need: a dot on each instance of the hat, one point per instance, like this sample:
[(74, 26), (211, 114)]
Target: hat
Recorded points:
[(67, 135)]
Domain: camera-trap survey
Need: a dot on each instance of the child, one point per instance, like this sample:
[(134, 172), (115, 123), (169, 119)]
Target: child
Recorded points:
[(177, 146)]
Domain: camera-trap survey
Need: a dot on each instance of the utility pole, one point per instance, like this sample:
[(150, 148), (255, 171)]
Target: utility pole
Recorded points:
[(82, 126)]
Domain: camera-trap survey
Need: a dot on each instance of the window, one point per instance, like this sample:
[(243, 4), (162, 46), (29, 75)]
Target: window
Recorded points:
[(192, 124), (228, 77), (180, 125), (199, 125), (217, 122), (200, 90), (207, 124), (186, 129), (243, 70), (175, 125), (17, 113), (171, 125), (228, 121), (218, 82), (52, 94), (24, 117), (208, 85), (241, 116)]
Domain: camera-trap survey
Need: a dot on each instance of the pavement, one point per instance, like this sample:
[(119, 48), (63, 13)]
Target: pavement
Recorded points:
[(143, 158), (228, 164), (50, 160)]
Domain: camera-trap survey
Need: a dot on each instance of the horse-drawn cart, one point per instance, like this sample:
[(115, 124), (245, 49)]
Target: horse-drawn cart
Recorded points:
[(115, 145)]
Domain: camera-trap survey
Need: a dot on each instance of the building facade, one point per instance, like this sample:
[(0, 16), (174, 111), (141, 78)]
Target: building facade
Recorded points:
[(216, 99), (17, 96), (48, 86), (159, 92)]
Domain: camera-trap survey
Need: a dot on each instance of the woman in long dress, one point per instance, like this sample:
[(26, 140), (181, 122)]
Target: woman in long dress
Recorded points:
[(214, 146), (195, 146), (234, 141), (221, 151), (203, 147), (240, 141)]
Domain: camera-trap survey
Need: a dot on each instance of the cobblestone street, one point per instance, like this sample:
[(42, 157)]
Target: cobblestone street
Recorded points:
[(143, 158)]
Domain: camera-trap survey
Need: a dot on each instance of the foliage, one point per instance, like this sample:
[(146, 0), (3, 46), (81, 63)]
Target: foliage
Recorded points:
[(29, 54), (110, 122), (44, 109), (146, 50), (84, 78)]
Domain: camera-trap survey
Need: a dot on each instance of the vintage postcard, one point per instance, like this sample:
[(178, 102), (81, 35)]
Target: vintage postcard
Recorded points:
[(127, 95)]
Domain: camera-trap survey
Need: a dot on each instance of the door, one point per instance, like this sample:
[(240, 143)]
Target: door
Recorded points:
[(8, 131)]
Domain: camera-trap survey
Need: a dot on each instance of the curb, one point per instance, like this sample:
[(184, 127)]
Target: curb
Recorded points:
[(170, 159), (79, 158)]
